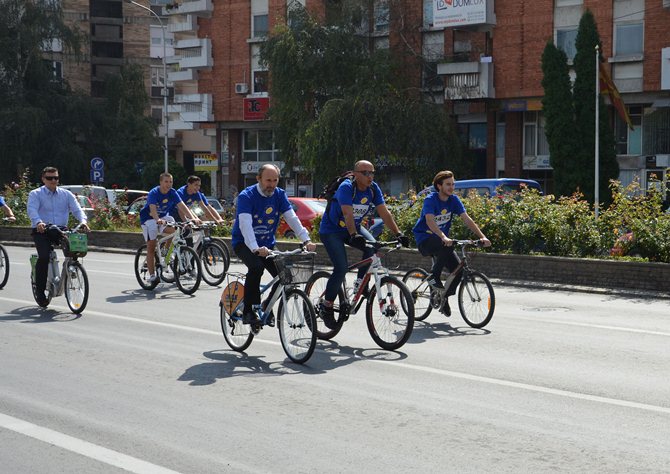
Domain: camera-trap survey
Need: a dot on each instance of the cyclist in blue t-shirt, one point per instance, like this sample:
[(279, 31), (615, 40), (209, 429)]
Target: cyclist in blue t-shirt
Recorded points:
[(191, 196), (9, 215), (155, 215), (259, 208), (342, 225), (431, 231)]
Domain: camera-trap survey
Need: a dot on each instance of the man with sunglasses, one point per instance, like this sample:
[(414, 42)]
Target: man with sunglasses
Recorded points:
[(341, 225), (50, 204)]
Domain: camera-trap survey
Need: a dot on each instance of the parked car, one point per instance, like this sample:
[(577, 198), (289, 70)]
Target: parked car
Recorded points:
[(489, 187), (131, 195), (306, 209), (215, 203), (136, 206), (94, 192), (86, 205)]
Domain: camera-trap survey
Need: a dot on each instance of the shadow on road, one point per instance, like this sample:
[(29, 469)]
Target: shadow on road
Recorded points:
[(424, 331), (134, 295), (35, 314)]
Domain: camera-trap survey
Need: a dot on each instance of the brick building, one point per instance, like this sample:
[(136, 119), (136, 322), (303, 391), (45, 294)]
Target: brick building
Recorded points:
[(486, 71)]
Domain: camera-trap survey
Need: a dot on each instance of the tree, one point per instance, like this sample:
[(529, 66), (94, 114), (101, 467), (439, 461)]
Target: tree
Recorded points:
[(584, 100), (559, 113), (334, 101)]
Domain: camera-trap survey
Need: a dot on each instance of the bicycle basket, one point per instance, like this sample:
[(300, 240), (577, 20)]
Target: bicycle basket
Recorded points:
[(75, 245), (294, 269)]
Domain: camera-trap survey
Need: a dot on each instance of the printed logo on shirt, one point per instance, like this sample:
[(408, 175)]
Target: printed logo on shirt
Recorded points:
[(268, 210), (360, 210), (443, 218), (165, 200)]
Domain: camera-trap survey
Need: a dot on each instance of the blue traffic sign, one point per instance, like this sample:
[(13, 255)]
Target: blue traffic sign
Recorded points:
[(97, 176), (97, 163)]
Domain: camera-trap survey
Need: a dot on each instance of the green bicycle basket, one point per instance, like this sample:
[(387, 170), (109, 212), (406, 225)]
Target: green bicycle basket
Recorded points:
[(77, 245)]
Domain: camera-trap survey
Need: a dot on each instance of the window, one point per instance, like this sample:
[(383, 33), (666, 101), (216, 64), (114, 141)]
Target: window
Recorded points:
[(259, 74), (259, 146), (433, 52), (628, 39), (381, 16), (56, 68), (629, 142), (535, 146), (292, 7), (428, 13), (259, 18), (565, 41)]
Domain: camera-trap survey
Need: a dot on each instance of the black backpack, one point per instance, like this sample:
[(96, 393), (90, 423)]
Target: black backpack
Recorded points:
[(330, 189)]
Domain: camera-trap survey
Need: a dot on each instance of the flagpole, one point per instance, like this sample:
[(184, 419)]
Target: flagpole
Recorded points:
[(597, 169)]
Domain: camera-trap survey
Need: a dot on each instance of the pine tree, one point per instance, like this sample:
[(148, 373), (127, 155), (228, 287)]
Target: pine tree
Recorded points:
[(559, 113), (584, 100)]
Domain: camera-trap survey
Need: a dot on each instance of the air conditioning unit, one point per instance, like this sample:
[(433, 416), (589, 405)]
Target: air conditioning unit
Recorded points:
[(241, 88)]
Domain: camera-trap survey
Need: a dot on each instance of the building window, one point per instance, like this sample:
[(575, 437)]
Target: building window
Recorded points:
[(433, 53), (259, 74), (381, 12), (259, 146), (565, 41), (428, 13), (535, 146), (259, 18), (628, 39), (56, 68), (629, 142)]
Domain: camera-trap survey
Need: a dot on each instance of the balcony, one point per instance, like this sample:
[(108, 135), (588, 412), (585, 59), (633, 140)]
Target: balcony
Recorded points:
[(193, 53), (467, 80), (183, 75), (192, 108), (202, 8), (183, 24)]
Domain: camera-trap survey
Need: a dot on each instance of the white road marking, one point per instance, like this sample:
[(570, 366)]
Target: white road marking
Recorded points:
[(418, 368), (79, 446), (594, 326)]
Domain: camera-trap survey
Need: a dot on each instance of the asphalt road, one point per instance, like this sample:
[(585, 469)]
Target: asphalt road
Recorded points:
[(144, 382)]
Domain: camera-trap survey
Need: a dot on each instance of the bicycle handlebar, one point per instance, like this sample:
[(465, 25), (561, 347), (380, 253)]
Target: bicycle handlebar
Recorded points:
[(280, 253)]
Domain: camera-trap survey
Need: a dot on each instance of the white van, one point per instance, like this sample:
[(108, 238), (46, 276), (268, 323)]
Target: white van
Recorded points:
[(97, 192)]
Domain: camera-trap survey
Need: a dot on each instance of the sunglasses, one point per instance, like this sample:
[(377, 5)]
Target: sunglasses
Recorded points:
[(52, 178), (367, 173)]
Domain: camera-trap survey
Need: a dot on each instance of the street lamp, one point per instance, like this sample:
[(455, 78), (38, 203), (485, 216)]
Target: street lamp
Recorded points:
[(165, 89)]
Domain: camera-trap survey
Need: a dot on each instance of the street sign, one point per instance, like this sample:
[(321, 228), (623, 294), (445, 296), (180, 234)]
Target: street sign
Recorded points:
[(97, 163), (97, 176)]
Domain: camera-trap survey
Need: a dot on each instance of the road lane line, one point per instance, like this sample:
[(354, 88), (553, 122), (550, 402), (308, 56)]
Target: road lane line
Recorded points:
[(594, 326), (418, 368), (79, 446)]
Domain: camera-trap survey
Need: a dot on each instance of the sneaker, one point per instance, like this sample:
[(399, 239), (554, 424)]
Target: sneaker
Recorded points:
[(327, 315), (42, 301), (435, 283), (446, 309), (249, 318), (153, 278)]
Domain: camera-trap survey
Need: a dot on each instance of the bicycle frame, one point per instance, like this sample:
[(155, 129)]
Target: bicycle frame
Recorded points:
[(177, 241), (58, 282)]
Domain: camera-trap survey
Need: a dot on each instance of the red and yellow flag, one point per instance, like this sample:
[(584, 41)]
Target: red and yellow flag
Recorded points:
[(607, 87)]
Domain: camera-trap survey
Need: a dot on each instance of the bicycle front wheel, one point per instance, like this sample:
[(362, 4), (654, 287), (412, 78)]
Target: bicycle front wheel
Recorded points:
[(315, 289), (237, 335), (142, 270), (390, 316), (297, 323), (476, 299), (4, 266), (226, 250), (415, 281), (187, 270), (76, 287), (213, 261)]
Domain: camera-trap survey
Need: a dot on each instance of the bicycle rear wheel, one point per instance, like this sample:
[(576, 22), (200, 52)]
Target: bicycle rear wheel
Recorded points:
[(213, 260), (187, 270), (226, 250), (237, 335), (4, 266), (315, 289), (415, 281), (142, 270), (476, 299), (297, 321), (76, 287), (390, 319)]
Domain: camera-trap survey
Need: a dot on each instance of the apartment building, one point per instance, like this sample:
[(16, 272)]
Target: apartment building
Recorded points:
[(480, 58)]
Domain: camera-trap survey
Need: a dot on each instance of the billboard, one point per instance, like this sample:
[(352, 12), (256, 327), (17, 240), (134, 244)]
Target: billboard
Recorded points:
[(450, 13)]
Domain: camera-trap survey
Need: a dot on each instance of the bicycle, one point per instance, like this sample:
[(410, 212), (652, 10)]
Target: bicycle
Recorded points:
[(389, 327), (4, 262), (476, 299), (72, 279), (296, 316), (214, 256), (175, 262)]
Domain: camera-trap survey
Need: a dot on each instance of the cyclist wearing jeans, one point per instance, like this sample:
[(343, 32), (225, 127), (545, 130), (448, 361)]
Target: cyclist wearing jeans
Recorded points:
[(258, 211), (49, 204), (431, 231), (155, 215), (342, 225)]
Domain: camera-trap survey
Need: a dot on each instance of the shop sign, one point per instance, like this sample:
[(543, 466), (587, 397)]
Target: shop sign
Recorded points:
[(256, 108), (205, 162)]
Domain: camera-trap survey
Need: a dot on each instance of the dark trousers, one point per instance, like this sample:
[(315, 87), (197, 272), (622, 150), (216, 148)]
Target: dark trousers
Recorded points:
[(443, 256), (334, 244), (43, 244), (256, 265)]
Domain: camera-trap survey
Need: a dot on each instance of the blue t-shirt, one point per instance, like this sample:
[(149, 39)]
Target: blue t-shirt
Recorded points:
[(265, 213), (164, 203), (362, 202), (2, 202), (188, 199), (443, 211)]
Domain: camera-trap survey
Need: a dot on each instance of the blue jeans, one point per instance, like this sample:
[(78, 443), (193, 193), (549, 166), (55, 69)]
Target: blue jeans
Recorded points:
[(334, 244)]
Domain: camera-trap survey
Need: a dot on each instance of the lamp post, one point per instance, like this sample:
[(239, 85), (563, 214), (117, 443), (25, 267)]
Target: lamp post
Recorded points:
[(165, 89)]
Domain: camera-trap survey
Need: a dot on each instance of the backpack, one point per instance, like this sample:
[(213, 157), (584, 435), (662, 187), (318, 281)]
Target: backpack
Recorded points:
[(330, 189)]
